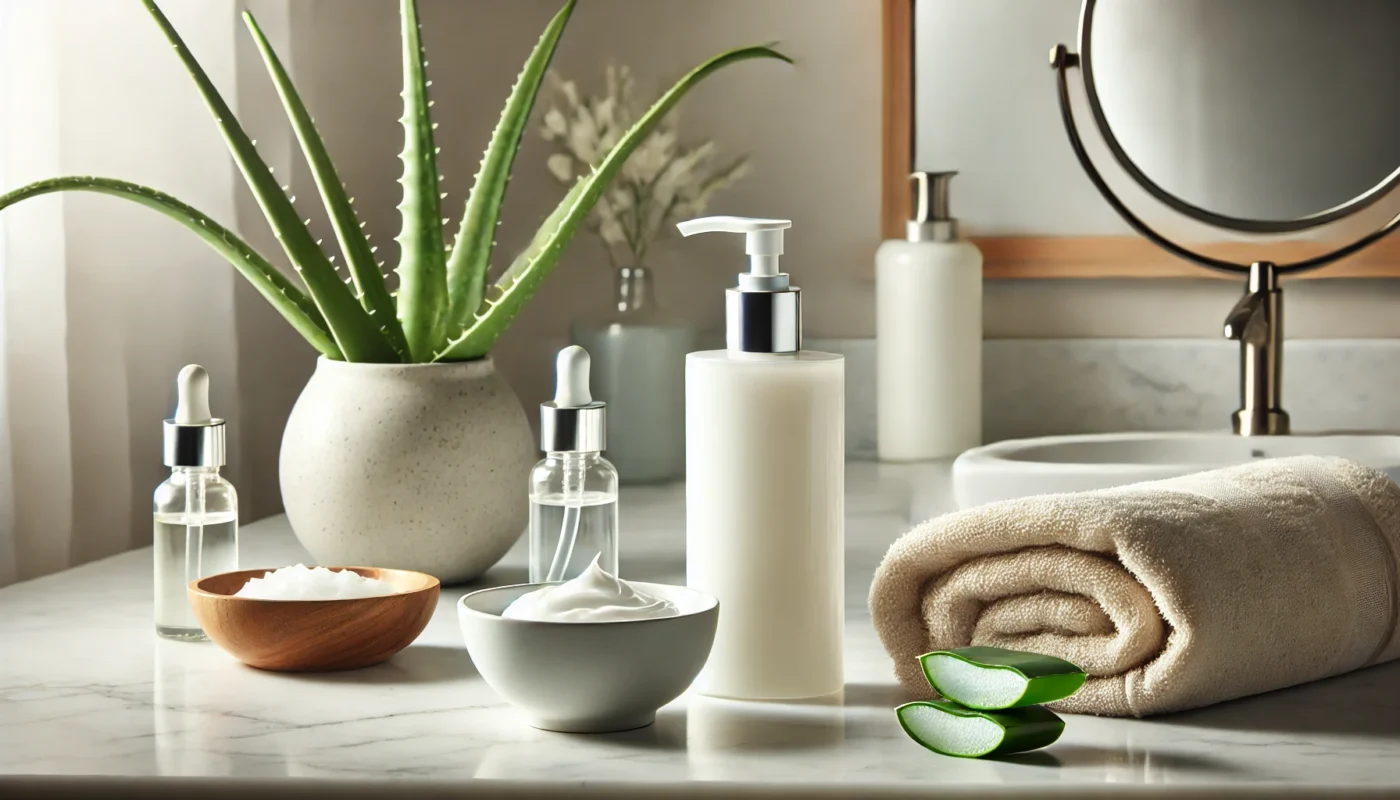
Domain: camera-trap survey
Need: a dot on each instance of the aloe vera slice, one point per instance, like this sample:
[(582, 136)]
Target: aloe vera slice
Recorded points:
[(990, 678), (952, 730)]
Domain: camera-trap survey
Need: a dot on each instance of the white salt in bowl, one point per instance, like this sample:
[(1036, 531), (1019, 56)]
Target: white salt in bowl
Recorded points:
[(589, 677), (314, 635), (301, 582)]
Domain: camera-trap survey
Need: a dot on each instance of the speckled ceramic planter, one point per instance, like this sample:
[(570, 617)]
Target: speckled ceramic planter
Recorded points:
[(409, 466)]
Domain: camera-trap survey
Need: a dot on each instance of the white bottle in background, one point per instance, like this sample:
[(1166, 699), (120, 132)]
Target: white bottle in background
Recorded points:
[(929, 333), (765, 461)]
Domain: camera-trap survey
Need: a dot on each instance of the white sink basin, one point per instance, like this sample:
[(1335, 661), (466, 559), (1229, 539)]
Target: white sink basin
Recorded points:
[(1097, 461)]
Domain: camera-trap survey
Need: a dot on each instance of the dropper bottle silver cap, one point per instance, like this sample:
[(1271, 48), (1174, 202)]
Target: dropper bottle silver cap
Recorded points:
[(194, 438), (573, 422)]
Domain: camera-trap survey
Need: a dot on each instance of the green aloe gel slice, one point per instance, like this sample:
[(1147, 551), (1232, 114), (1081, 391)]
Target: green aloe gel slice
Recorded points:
[(952, 730), (990, 678)]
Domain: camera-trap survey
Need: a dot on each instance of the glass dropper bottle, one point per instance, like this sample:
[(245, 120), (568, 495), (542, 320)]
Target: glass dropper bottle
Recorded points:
[(573, 491), (196, 510)]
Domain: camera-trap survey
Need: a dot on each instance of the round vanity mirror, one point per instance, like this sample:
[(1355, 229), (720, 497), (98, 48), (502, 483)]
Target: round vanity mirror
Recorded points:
[(1262, 116)]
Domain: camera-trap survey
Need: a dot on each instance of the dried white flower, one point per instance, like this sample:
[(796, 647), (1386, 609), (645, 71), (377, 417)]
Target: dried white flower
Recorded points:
[(561, 167), (619, 199), (611, 232), (611, 79), (663, 181), (603, 112), (570, 91), (554, 125), (583, 137)]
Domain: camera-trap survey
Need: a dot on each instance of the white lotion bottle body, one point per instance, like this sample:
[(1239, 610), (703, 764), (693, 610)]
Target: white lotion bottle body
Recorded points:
[(929, 348), (764, 518)]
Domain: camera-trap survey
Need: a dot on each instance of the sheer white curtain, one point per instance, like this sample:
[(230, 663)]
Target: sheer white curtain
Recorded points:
[(101, 301), (38, 475), (7, 496)]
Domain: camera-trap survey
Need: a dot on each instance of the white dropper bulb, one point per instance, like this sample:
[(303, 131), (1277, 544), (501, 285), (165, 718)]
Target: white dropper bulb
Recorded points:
[(192, 388), (571, 378)]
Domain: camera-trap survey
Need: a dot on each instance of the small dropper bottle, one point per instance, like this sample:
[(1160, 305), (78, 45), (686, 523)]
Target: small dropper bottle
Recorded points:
[(196, 510), (573, 491)]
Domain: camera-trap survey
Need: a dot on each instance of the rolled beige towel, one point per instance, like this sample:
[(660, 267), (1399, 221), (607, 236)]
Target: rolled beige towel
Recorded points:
[(1172, 594)]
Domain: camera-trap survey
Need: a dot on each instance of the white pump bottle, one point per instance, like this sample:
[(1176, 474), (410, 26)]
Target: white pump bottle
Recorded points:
[(765, 461)]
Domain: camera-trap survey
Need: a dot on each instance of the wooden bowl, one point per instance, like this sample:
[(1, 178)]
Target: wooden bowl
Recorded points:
[(314, 635)]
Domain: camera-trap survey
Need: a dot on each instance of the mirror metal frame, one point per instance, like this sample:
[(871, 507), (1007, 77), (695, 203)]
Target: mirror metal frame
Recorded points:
[(1065, 255), (1062, 60), (1205, 216)]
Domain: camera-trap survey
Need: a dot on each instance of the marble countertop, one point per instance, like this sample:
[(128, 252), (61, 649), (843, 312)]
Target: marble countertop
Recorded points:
[(90, 697)]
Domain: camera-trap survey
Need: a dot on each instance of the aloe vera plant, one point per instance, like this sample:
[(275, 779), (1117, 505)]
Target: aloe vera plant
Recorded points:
[(443, 310)]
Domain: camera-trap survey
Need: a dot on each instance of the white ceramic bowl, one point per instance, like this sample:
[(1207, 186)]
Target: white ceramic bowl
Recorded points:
[(589, 677)]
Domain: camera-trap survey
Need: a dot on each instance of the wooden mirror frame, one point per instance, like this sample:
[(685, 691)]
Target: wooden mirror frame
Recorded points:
[(1127, 256)]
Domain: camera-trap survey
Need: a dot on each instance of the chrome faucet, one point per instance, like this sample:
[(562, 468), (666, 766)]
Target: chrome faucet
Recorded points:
[(1256, 322)]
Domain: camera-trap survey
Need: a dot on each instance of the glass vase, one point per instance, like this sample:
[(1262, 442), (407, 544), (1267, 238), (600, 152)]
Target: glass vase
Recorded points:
[(638, 351)]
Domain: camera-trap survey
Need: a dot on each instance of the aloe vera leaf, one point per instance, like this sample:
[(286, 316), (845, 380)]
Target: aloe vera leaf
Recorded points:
[(953, 730), (476, 341), (476, 236), (284, 296), (995, 678), (544, 234), (422, 262), (359, 258), (355, 333)]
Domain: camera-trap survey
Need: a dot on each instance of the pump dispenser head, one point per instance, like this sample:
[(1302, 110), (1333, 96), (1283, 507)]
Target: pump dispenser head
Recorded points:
[(194, 438), (932, 220), (764, 312), (573, 422)]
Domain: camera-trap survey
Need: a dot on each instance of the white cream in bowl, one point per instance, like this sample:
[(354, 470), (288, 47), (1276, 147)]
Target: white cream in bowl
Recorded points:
[(593, 596)]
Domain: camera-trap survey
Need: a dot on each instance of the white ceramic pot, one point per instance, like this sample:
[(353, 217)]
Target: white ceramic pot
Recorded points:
[(408, 466)]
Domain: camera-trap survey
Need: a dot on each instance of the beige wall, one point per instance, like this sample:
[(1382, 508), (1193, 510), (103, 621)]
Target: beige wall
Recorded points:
[(813, 132)]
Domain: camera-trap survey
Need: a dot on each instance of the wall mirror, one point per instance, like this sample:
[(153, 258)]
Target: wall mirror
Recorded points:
[(1252, 129)]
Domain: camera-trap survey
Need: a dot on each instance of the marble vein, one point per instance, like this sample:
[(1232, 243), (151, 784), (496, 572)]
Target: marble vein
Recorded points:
[(1044, 387)]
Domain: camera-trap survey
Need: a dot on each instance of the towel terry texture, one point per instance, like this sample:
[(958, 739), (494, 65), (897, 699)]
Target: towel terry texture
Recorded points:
[(1172, 594)]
